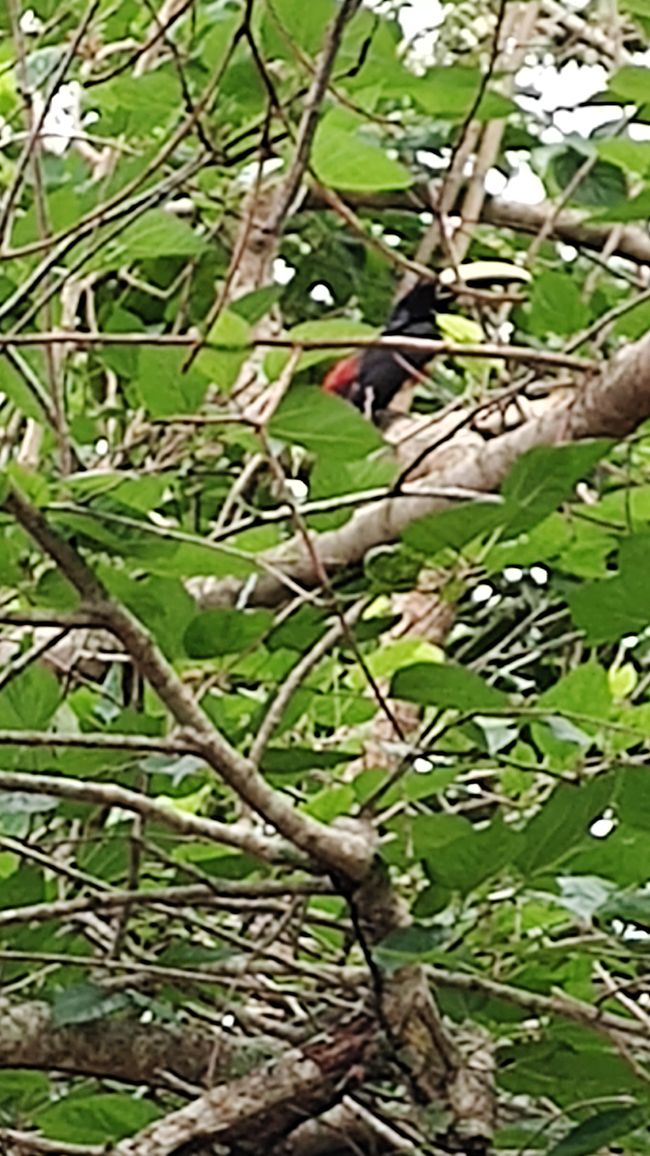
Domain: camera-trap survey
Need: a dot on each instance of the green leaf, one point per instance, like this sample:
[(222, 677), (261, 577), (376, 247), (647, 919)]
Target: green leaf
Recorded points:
[(29, 700), (631, 155), (162, 604), (20, 1092), (158, 233), (460, 329), (633, 209), (431, 833), (446, 686), (556, 305), (409, 945), (599, 1131), (392, 568), (618, 605), (82, 1003), (218, 632), (449, 94), (456, 527), (99, 1118), (226, 349), (545, 476), (218, 41), (603, 185), (343, 159), (331, 802), (631, 83), (324, 424), (163, 384), (16, 389), (562, 823), (480, 856), (584, 691), (292, 22), (633, 800), (630, 907), (328, 329)]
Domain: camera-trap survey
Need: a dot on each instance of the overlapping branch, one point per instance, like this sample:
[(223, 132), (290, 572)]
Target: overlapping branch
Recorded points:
[(609, 404)]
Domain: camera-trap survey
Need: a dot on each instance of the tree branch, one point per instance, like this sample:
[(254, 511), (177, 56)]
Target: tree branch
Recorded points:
[(118, 1049), (570, 225), (609, 404), (242, 835), (346, 852), (268, 1103)]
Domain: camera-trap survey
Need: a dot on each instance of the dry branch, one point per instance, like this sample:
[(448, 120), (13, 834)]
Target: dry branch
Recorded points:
[(118, 1049), (343, 851), (609, 404), (569, 225), (268, 1103)]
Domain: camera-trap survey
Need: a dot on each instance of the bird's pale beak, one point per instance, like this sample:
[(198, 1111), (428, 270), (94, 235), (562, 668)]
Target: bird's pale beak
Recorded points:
[(479, 274)]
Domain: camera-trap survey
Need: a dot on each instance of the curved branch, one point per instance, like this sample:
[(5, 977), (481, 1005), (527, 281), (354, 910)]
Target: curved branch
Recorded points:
[(569, 225), (609, 404), (269, 1102), (338, 850), (118, 1049)]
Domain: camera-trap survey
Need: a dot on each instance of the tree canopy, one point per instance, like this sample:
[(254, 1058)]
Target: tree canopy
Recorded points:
[(324, 783)]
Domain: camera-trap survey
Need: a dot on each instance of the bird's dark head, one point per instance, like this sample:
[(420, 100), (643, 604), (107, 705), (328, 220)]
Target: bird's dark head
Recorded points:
[(425, 299)]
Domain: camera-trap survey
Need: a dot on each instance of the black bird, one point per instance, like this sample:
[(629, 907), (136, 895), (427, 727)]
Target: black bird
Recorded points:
[(371, 379)]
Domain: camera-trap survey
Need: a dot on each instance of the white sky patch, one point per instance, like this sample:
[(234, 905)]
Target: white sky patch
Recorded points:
[(30, 23), (524, 185), (482, 593), (495, 182), (431, 160), (567, 252), (602, 827), (283, 273), (62, 121), (422, 766), (539, 575), (639, 132), (393, 240), (298, 489), (561, 87), (321, 293), (249, 173)]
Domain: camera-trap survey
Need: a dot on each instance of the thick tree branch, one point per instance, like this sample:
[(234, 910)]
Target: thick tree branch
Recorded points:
[(609, 404), (241, 835), (118, 1049), (569, 225), (268, 1103)]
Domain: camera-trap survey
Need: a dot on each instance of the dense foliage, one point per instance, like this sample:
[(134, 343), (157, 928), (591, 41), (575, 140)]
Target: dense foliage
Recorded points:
[(190, 231)]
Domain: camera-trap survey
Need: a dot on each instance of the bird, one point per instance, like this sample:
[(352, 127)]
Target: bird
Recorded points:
[(370, 379)]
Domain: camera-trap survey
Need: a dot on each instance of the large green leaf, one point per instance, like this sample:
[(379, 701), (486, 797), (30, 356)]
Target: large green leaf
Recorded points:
[(433, 684), (545, 476), (324, 424), (99, 1118), (556, 305), (218, 632), (29, 700), (562, 824), (346, 159), (599, 1131), (165, 387)]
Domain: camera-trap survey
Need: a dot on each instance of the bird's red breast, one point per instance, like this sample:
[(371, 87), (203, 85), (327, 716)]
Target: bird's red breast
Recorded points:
[(342, 376)]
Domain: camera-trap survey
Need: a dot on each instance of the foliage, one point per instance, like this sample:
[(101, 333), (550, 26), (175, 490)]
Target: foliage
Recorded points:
[(514, 813)]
